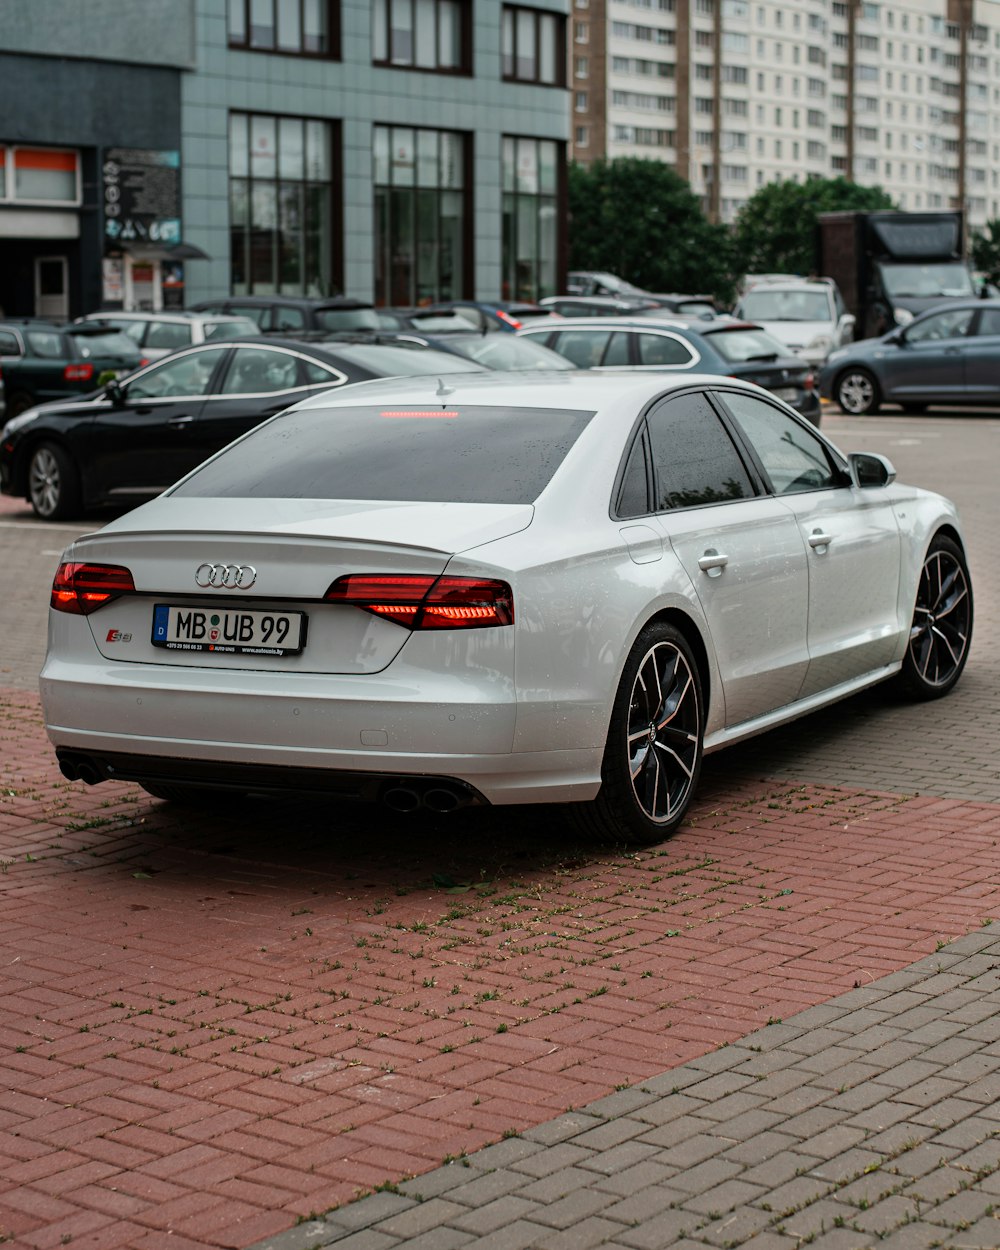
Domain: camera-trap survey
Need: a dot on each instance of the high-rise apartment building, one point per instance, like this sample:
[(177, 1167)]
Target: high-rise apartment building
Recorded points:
[(733, 94)]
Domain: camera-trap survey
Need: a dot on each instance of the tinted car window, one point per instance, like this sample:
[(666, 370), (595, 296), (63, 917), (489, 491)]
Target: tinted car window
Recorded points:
[(45, 343), (184, 375), (661, 349), (234, 329), (347, 319), (950, 323), (256, 370), (286, 318), (989, 321), (505, 351), (9, 346), (131, 329), (745, 344), (168, 334), (260, 314), (441, 455), (583, 347), (794, 459), (618, 350), (694, 459), (320, 373), (106, 343), (632, 497)]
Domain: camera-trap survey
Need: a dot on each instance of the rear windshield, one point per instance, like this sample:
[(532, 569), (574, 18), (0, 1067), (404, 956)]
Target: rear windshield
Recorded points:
[(105, 343), (387, 361), (347, 319), (401, 454), (745, 344), (235, 329), (506, 351)]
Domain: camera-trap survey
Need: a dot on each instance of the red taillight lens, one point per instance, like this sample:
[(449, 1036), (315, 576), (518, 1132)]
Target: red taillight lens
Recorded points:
[(78, 373), (511, 321), (428, 602), (83, 588), (810, 382)]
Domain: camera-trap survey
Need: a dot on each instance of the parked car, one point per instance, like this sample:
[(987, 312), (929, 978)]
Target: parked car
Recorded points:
[(597, 305), (949, 355), (599, 282), (294, 314), (130, 440), (701, 306), (498, 591), (810, 318), (157, 334), (487, 315), (734, 348), (41, 361), (492, 351), (423, 320)]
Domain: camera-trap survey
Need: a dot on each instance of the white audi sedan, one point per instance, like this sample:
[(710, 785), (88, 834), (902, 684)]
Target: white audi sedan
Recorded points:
[(498, 589)]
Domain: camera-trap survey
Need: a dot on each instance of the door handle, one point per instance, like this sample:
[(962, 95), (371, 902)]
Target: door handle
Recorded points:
[(180, 420), (818, 539), (712, 562)]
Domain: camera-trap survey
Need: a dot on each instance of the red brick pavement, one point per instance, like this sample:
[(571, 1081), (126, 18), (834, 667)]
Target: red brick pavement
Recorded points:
[(215, 1025)]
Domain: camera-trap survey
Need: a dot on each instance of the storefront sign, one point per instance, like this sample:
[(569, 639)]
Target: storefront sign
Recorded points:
[(112, 280), (142, 200)]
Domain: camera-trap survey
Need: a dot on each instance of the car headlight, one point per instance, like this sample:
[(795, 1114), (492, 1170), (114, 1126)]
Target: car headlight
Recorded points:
[(19, 422), (821, 343), (902, 315)]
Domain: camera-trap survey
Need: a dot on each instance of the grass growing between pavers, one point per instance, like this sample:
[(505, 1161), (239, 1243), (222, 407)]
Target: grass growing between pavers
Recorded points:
[(286, 1004)]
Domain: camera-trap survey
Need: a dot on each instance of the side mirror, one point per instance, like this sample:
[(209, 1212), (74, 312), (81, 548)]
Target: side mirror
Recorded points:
[(869, 469), (115, 392)]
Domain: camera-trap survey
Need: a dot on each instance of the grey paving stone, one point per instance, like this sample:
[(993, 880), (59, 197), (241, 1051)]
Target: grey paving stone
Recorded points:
[(561, 1128), (504, 1153), (371, 1209), (725, 1057), (436, 1239), (884, 1217), (815, 1120), (817, 1218), (644, 1204), (558, 1184), (565, 1154), (613, 1133), (724, 1197), (307, 1236), (833, 1141), (780, 1168), (859, 1097), (794, 1194), (421, 1217), (520, 1235), (620, 1157), (705, 1176), (622, 1102), (662, 1230), (715, 1088), (440, 1181), (846, 1166), (964, 1208), (911, 1237), (485, 1186), (923, 1159), (576, 1208), (983, 1235), (366, 1239), (633, 1180), (589, 1232), (842, 1239), (760, 1149), (676, 1131), (496, 1214), (735, 1227), (689, 1152)]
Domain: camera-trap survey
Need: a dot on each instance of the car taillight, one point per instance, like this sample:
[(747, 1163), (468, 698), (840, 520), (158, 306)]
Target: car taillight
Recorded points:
[(427, 602), (78, 373), (809, 382), (83, 588), (511, 321)]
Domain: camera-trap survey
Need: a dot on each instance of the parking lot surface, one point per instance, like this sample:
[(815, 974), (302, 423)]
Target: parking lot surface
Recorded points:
[(219, 1025)]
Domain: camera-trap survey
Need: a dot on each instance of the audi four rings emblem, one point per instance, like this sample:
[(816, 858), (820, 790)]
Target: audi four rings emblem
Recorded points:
[(225, 576)]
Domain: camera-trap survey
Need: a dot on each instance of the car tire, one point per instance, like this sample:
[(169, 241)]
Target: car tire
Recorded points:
[(858, 393), (652, 759), (942, 624), (53, 483), (19, 402)]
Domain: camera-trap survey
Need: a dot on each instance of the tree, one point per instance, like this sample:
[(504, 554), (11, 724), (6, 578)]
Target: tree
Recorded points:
[(640, 220), (985, 250), (775, 231)]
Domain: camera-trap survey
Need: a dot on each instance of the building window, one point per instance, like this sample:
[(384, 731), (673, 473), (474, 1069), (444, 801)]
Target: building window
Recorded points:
[(421, 215), (534, 46), (580, 102), (292, 27), (280, 205), (581, 67), (530, 218), (581, 137), (423, 34), (39, 175)]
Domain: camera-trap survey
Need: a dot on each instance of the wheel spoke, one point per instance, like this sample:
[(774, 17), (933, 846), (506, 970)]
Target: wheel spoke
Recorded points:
[(662, 739), (939, 633)]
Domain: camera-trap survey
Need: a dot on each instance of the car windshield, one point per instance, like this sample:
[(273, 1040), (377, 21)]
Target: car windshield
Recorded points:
[(105, 343), (776, 305), (385, 361), (435, 322), (926, 281), (745, 343), (505, 351), (235, 329), (347, 319), (409, 452)]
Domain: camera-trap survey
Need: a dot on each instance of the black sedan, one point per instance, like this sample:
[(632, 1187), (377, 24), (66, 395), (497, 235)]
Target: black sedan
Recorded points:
[(131, 439)]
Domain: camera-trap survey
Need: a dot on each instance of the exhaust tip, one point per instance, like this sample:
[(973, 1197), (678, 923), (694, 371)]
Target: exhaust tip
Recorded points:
[(439, 799), (401, 799)]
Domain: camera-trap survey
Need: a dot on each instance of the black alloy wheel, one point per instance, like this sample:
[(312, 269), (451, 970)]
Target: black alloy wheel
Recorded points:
[(942, 623), (653, 756)]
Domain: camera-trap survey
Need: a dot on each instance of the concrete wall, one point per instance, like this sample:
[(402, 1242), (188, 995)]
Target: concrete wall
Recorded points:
[(359, 96), (146, 32)]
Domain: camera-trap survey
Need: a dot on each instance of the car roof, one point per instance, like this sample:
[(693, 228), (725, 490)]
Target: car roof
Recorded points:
[(692, 325), (165, 314), (299, 301)]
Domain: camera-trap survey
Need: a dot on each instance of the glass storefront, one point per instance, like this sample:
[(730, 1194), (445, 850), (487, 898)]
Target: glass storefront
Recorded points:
[(530, 218), (280, 205), (421, 215)]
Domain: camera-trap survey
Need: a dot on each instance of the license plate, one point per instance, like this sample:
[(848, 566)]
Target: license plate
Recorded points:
[(228, 631), (787, 393)]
